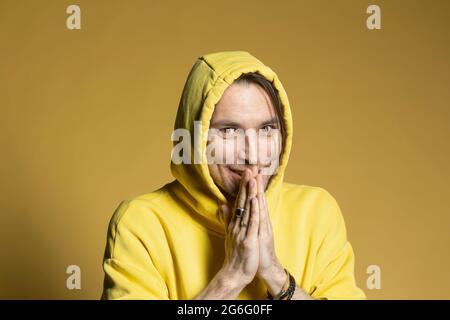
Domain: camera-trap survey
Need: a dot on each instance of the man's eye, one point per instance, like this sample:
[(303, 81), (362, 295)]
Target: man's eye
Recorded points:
[(267, 129), (228, 132)]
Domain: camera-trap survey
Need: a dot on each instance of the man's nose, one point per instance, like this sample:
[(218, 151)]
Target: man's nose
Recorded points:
[(249, 153)]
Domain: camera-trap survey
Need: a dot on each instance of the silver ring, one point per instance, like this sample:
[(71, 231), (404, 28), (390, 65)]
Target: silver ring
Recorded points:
[(239, 212)]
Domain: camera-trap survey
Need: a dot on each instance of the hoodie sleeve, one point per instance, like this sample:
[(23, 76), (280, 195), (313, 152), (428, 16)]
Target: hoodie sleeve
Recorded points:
[(334, 271), (130, 272)]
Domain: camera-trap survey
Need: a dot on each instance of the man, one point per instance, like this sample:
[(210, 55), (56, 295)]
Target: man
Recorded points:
[(230, 229)]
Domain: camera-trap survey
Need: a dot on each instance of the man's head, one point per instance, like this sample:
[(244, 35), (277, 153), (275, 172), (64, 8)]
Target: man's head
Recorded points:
[(247, 127)]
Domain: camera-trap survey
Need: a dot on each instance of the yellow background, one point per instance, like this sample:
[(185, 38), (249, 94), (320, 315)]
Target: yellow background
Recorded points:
[(86, 117)]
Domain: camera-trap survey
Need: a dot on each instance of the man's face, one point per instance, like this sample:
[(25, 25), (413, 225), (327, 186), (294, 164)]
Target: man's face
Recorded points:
[(244, 108)]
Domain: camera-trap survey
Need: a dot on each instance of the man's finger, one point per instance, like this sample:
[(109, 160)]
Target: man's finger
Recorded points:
[(252, 190), (261, 195), (253, 224), (240, 201), (263, 211), (225, 213), (242, 195), (246, 217), (259, 184)]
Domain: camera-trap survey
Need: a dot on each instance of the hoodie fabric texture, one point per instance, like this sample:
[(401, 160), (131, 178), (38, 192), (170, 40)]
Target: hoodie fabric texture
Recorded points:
[(169, 244)]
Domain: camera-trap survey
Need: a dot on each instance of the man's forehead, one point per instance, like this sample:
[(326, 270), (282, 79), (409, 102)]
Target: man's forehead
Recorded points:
[(244, 105)]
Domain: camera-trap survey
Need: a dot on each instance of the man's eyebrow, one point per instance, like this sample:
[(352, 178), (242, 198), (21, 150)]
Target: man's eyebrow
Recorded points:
[(229, 123), (273, 120), (225, 123)]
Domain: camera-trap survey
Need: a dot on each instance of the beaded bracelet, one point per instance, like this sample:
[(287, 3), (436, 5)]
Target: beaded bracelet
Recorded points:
[(285, 294)]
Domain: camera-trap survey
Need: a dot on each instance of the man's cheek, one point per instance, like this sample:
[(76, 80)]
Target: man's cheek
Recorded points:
[(268, 147)]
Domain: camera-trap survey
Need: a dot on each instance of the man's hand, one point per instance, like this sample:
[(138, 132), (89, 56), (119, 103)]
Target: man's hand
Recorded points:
[(241, 244), (249, 246), (270, 270), (241, 239), (253, 253)]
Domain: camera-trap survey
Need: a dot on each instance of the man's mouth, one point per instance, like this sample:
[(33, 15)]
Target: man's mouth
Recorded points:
[(240, 172), (237, 172)]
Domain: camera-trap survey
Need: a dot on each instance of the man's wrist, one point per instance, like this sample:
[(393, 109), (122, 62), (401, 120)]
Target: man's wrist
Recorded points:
[(274, 278), (231, 280)]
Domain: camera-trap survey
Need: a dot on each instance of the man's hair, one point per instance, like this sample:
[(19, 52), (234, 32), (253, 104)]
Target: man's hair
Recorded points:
[(267, 86)]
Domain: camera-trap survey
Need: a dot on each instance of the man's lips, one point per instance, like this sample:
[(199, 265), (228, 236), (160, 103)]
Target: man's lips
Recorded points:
[(238, 172)]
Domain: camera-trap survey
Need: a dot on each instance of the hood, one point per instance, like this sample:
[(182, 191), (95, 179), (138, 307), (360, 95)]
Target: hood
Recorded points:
[(209, 78)]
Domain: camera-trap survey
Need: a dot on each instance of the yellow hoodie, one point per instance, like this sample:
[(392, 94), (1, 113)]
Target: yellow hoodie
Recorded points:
[(169, 244)]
